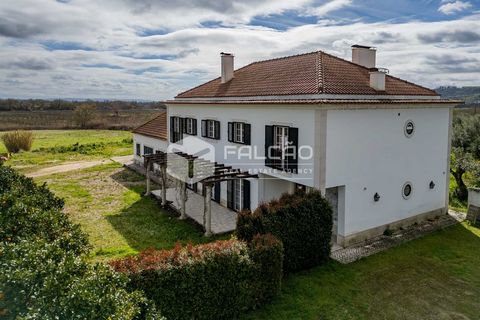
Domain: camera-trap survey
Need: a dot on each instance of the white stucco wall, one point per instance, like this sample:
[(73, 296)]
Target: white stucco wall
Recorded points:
[(368, 152), (155, 144), (258, 117)]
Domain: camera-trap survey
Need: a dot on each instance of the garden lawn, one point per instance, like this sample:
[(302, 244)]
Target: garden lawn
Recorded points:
[(108, 202), (53, 147), (435, 277)]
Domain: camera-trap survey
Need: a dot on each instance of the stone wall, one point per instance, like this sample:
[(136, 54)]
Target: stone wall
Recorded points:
[(473, 213)]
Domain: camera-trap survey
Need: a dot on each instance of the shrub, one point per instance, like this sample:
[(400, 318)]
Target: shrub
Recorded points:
[(18, 140), (40, 280), (84, 114), (218, 280), (302, 221), (29, 212), (45, 273)]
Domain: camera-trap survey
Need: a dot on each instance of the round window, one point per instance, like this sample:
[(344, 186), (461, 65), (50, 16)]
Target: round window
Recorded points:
[(407, 190), (409, 128)]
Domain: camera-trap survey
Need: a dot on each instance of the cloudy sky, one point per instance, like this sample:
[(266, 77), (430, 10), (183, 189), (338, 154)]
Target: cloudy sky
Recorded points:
[(153, 49)]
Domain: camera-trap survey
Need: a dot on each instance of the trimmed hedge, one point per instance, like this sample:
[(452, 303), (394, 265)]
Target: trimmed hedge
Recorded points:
[(217, 280), (45, 273), (302, 221)]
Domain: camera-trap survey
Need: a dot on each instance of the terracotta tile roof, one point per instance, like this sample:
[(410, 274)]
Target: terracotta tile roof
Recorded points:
[(323, 101), (156, 128), (309, 73)]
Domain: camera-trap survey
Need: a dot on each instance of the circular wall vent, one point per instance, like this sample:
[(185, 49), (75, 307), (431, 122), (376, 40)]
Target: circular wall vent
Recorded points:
[(409, 128), (407, 190)]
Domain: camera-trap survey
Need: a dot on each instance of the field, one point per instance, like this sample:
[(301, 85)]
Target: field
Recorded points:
[(435, 277), (52, 147), (62, 119)]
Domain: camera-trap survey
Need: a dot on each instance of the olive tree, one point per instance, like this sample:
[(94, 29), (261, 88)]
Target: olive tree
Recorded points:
[(465, 151)]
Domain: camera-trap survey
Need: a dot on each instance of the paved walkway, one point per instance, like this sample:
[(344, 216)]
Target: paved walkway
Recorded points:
[(223, 219), (382, 243)]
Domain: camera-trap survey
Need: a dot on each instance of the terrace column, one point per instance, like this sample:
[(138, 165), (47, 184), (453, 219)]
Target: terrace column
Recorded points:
[(163, 171), (183, 197), (147, 173), (207, 215)]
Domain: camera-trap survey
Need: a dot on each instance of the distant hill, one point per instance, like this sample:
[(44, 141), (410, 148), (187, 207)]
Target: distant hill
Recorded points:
[(471, 95)]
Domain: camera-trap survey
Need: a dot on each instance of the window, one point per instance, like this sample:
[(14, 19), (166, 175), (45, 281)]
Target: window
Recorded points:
[(190, 126), (238, 194), (281, 148), (409, 128), (176, 129), (239, 132), (138, 149), (211, 129), (147, 150), (407, 190), (281, 144)]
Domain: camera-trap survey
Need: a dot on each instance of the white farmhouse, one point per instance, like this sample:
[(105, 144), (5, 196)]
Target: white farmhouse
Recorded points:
[(375, 145)]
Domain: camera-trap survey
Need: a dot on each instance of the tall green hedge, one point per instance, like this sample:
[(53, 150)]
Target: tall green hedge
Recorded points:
[(45, 273), (218, 280), (302, 221)]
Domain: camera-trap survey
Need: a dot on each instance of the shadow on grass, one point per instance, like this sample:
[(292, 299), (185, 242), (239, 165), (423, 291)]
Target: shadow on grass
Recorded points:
[(144, 224)]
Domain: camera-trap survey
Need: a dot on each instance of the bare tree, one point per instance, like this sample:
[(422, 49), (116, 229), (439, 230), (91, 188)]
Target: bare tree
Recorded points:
[(84, 114)]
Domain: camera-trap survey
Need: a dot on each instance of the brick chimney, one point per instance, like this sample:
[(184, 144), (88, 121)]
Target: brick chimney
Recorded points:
[(227, 66)]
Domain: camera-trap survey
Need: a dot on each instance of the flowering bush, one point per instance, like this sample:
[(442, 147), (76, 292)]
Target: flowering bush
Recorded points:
[(217, 280)]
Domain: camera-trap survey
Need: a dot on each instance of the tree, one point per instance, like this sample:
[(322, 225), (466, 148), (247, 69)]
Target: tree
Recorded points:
[(465, 151), (84, 114)]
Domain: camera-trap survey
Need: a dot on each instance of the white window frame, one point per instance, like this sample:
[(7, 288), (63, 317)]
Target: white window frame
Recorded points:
[(237, 195), (211, 129), (189, 125), (280, 141), (239, 132), (138, 149)]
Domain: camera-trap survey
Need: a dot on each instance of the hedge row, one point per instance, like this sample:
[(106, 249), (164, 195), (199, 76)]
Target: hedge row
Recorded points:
[(302, 221), (218, 280), (43, 257)]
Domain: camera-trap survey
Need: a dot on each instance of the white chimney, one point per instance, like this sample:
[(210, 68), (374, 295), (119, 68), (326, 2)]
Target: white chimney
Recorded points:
[(377, 79), (364, 56), (227, 66)]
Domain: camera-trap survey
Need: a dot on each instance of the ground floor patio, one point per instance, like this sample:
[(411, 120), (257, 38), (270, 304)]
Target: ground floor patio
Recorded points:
[(223, 219)]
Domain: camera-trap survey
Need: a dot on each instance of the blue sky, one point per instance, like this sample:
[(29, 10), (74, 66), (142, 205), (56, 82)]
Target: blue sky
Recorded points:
[(153, 49)]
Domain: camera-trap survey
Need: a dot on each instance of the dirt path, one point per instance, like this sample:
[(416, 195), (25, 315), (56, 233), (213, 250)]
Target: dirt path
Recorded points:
[(70, 166)]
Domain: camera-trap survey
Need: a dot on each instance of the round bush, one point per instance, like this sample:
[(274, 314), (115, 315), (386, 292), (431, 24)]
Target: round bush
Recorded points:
[(302, 221)]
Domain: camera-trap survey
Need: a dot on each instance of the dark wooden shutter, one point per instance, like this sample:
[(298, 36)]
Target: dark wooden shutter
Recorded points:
[(246, 195), (204, 128), (172, 129), (292, 156), (180, 130), (217, 130), (230, 132), (246, 133), (194, 125), (216, 195), (230, 194), (268, 143)]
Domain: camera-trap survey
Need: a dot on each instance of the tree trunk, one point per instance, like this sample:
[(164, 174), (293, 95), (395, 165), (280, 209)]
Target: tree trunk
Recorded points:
[(462, 190)]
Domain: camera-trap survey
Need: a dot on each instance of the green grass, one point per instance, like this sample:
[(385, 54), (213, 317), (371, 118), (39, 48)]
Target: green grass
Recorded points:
[(46, 147), (107, 202), (436, 277)]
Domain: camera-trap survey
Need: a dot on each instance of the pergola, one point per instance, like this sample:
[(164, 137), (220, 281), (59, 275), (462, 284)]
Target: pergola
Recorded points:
[(183, 167)]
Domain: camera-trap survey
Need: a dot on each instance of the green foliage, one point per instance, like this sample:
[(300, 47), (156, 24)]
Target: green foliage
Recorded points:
[(18, 140), (43, 258), (465, 151), (302, 221), (218, 280)]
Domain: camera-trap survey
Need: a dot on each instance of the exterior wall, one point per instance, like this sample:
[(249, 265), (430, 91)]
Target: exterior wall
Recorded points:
[(368, 152), (262, 190), (154, 143)]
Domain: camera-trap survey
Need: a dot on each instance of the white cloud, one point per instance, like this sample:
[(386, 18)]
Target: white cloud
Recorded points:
[(454, 7), (330, 6), (125, 64)]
